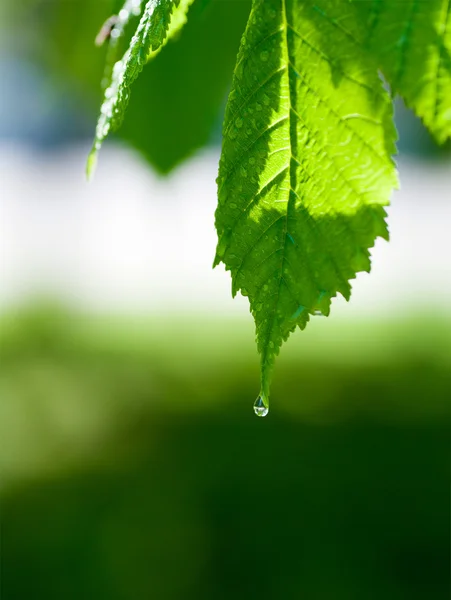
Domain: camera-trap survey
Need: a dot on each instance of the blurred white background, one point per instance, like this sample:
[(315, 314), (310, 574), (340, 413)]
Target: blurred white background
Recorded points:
[(131, 241)]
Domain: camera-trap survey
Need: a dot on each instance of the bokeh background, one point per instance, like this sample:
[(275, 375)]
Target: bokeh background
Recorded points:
[(131, 464)]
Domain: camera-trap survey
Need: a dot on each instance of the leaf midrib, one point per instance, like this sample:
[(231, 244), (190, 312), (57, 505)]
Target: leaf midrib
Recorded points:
[(291, 199)]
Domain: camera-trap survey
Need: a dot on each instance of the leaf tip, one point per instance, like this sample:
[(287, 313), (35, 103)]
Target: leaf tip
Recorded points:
[(91, 164)]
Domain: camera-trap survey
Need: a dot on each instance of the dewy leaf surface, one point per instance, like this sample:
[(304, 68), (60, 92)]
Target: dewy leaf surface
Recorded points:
[(412, 42), (152, 32), (306, 165)]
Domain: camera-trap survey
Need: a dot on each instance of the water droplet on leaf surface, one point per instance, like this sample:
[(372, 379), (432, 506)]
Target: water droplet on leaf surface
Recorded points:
[(260, 408)]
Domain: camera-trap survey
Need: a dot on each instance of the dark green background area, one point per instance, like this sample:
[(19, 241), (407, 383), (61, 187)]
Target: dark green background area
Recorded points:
[(182, 93), (341, 492)]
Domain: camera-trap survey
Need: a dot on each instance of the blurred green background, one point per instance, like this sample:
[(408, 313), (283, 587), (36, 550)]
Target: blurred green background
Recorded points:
[(131, 464), (134, 468)]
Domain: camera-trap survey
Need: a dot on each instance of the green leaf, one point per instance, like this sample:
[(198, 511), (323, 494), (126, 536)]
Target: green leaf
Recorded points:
[(113, 30), (306, 165), (411, 40), (178, 20), (152, 33)]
